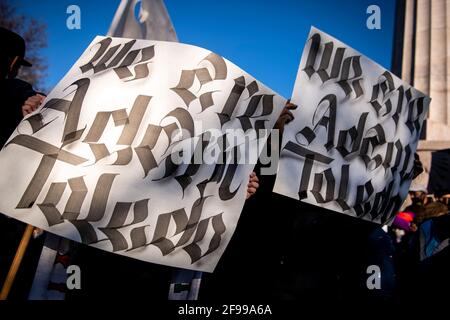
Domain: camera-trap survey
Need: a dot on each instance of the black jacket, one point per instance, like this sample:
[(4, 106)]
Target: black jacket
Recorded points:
[(13, 93)]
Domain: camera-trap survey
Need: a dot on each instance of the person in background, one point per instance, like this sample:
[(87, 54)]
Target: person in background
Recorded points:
[(429, 255), (14, 92), (403, 223), (403, 232), (418, 195), (18, 99)]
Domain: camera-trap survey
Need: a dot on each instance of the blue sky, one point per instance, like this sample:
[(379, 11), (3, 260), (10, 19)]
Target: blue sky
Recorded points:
[(263, 37)]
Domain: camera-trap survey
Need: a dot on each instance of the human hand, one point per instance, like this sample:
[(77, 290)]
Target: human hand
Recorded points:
[(32, 103), (286, 115), (253, 185)]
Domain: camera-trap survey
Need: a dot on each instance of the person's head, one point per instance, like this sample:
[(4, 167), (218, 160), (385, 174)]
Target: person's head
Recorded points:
[(12, 55), (404, 221), (418, 196), (430, 210)]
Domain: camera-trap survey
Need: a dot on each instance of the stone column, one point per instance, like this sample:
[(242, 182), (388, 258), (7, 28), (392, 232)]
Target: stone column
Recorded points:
[(408, 38), (438, 62), (422, 54)]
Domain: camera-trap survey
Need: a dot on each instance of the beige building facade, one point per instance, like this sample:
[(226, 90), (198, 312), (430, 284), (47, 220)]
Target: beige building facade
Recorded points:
[(422, 58)]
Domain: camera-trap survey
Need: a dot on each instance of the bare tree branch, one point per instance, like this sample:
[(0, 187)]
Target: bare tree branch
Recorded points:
[(35, 34)]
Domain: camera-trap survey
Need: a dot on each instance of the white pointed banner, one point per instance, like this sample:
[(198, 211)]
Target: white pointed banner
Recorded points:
[(144, 149), (351, 146), (152, 23)]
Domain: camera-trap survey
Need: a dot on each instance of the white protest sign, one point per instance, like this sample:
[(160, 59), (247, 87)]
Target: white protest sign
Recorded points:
[(351, 145), (144, 149)]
